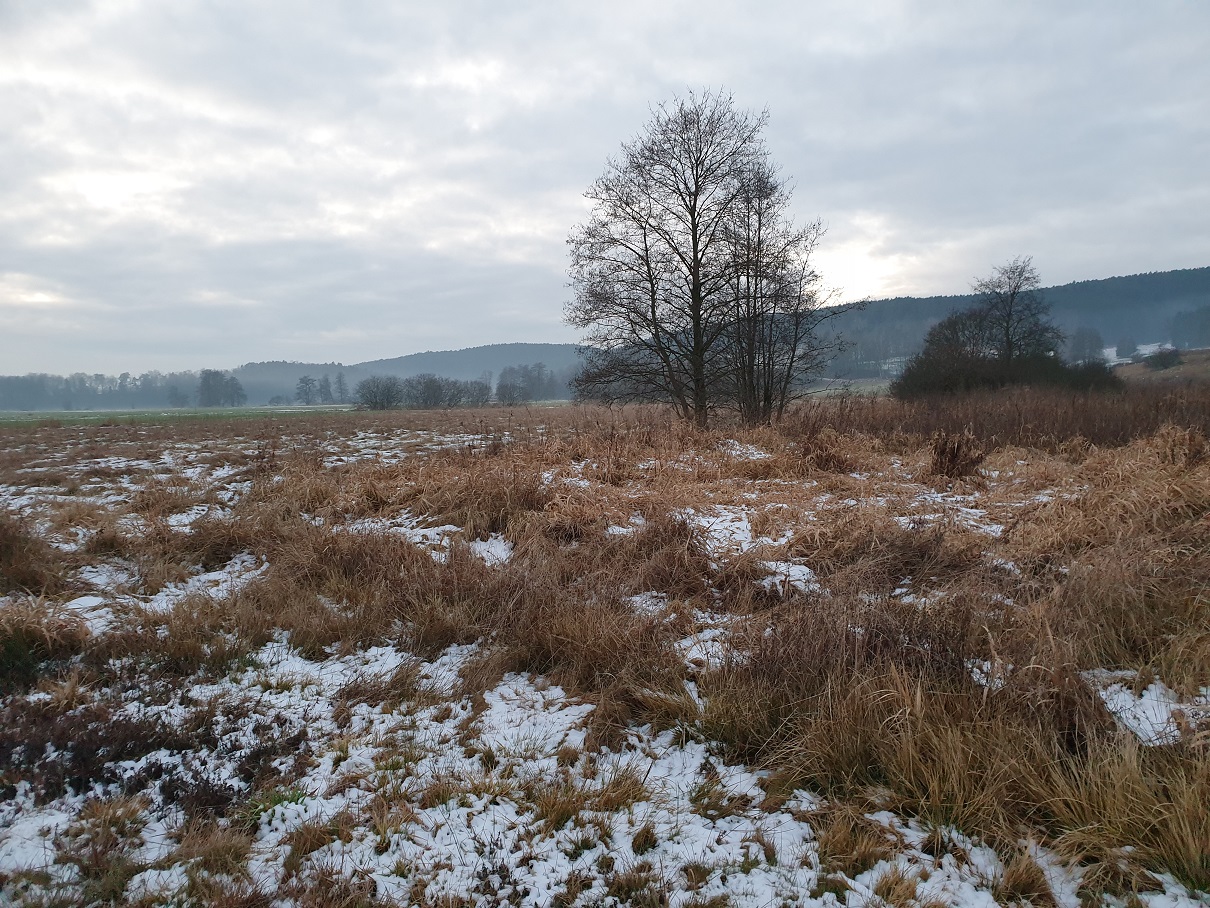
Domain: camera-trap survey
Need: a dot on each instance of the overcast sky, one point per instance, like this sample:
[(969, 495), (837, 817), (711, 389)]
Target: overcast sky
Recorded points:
[(201, 183)]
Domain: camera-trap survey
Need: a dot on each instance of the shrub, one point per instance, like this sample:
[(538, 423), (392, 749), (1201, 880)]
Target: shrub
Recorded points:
[(1163, 359), (927, 375)]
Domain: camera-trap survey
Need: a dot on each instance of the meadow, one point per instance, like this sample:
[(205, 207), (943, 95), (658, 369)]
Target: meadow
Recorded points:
[(880, 654)]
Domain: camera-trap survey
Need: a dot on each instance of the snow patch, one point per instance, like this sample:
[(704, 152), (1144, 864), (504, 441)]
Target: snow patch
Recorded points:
[(494, 550), (737, 451), (785, 576), (1156, 714)]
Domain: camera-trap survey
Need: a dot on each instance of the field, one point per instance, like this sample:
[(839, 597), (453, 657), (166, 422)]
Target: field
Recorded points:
[(164, 415), (1194, 367), (883, 654)]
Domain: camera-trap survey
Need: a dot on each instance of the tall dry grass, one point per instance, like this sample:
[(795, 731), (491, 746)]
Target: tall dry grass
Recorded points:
[(877, 698), (27, 563), (858, 692), (1044, 419)]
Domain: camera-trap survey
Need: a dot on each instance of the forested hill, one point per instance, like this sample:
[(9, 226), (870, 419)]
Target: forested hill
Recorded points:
[(471, 363), (263, 381), (1171, 306)]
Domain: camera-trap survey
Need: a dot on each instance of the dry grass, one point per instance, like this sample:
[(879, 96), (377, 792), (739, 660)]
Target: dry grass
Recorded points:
[(892, 706), (27, 563), (850, 843), (1193, 369), (215, 849), (955, 456), (1023, 881), (33, 632), (897, 888), (1101, 563), (1023, 417), (865, 550), (100, 845)]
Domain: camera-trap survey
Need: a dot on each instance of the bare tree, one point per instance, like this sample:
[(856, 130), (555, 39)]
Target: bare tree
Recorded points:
[(341, 389), (1086, 346), (774, 343), (233, 392), (1004, 339), (961, 336), (651, 268), (522, 384), (304, 390), (428, 392), (1016, 314), (216, 389), (380, 392), (478, 392)]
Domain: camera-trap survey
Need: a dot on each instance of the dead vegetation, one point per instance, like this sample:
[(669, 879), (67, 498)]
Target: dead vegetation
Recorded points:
[(973, 566), (955, 456), (27, 563)]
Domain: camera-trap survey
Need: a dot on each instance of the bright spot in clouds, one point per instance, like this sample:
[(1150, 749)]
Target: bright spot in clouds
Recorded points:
[(121, 193)]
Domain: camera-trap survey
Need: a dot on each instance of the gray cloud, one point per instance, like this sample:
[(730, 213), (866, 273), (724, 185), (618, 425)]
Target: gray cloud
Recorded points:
[(194, 184)]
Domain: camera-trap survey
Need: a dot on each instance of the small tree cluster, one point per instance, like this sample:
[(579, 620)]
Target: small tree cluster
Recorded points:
[(1167, 358), (435, 392), (523, 384), (1005, 339), (421, 392), (217, 389), (308, 391), (1086, 346)]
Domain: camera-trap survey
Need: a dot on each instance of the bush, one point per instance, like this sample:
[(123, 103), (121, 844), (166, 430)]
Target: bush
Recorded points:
[(1163, 359), (927, 375), (380, 392)]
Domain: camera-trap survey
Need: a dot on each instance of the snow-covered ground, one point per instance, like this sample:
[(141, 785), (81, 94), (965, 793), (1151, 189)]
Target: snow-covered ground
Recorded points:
[(494, 798)]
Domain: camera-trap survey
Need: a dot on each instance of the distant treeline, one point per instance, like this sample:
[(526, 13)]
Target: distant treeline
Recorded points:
[(518, 384), (1121, 312), (98, 392)]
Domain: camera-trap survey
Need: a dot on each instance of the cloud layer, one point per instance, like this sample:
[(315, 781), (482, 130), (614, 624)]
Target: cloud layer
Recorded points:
[(198, 183)]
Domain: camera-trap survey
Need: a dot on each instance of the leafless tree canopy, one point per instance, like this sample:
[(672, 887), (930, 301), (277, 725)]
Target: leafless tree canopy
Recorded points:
[(773, 343), (380, 392), (1086, 346), (1015, 314), (690, 282)]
